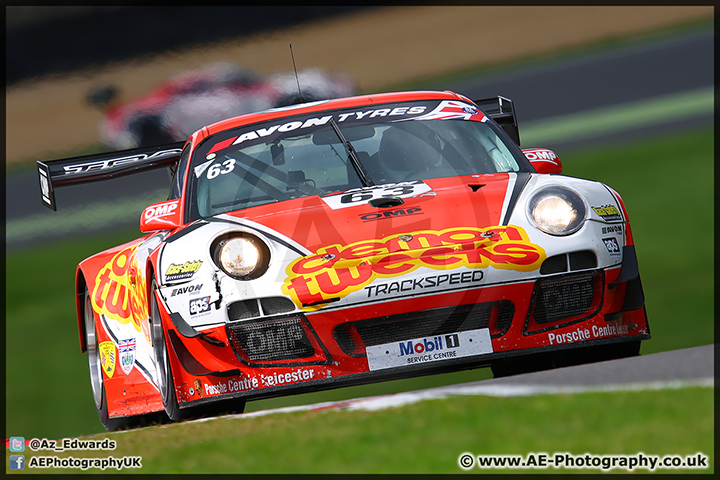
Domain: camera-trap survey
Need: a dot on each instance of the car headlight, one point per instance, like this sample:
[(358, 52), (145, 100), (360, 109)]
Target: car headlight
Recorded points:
[(557, 210), (241, 255)]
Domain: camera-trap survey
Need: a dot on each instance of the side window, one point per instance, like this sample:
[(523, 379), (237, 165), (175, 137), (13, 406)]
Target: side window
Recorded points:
[(179, 174)]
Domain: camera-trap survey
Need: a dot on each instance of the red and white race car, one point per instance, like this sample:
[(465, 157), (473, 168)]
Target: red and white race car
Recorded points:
[(173, 110), (344, 242)]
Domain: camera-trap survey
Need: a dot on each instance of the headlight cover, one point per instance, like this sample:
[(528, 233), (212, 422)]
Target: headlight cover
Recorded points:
[(241, 255), (557, 210)]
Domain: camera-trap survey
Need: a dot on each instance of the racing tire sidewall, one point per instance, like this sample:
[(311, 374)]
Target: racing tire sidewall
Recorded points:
[(162, 360)]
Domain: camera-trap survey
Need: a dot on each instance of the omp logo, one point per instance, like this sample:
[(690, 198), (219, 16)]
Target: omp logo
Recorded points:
[(162, 210), (540, 154), (118, 162), (390, 214), (115, 296), (181, 272), (336, 271)]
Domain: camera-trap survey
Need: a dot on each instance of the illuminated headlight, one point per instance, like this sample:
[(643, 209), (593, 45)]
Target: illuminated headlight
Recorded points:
[(557, 211), (240, 255)]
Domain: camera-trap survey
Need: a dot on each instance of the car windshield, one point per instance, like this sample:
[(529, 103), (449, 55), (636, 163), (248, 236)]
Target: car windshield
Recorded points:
[(301, 156)]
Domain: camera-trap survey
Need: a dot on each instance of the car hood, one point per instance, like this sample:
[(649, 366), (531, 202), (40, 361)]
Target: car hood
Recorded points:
[(436, 205)]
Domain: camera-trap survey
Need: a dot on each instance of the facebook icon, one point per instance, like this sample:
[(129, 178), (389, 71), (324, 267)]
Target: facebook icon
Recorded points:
[(17, 462)]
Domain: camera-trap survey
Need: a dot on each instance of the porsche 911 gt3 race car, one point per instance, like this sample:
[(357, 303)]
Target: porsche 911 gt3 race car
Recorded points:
[(344, 242)]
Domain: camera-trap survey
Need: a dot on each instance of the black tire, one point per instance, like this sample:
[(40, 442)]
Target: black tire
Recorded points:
[(564, 358), (162, 361)]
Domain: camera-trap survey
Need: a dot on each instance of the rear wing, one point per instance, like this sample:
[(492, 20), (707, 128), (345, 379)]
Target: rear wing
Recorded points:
[(102, 166), (501, 110)]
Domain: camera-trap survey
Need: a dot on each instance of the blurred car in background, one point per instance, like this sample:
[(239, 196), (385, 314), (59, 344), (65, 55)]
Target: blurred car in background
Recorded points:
[(175, 109)]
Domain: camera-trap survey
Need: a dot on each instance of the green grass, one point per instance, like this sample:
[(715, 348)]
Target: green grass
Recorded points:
[(667, 184), (429, 436)]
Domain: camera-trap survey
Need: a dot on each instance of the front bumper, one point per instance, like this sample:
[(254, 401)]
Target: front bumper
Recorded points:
[(298, 352)]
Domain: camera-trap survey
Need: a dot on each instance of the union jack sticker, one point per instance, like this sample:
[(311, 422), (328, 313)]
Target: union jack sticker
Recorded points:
[(126, 349), (452, 109)]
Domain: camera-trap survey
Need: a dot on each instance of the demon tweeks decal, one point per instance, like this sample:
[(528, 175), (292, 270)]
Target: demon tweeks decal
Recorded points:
[(336, 271), (119, 291)]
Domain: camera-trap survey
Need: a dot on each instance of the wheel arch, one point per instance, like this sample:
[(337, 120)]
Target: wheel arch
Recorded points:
[(80, 285)]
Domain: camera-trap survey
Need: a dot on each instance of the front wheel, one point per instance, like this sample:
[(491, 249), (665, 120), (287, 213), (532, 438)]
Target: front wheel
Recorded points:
[(162, 361), (165, 376)]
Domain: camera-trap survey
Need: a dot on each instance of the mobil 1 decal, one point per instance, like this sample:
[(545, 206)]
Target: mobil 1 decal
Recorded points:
[(429, 349)]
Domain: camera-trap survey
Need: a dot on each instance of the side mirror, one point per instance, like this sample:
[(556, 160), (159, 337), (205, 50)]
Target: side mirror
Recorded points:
[(161, 216), (544, 160)]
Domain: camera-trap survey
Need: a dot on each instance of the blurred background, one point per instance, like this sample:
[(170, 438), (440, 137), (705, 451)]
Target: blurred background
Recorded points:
[(623, 94)]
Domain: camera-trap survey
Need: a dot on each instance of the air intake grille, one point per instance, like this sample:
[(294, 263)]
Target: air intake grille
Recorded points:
[(581, 260), (565, 298), (354, 336), (281, 339), (245, 309)]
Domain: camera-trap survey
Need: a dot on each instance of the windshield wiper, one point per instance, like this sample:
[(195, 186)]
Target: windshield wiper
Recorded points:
[(359, 168)]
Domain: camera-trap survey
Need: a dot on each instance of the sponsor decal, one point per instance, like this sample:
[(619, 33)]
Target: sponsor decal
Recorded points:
[(612, 229), (585, 333), (429, 349), (126, 349), (424, 283), (199, 306), (608, 212), (107, 357), (612, 245), (158, 213), (198, 387), (363, 195), (368, 217), (338, 270), (297, 375), (182, 272), (118, 162), (186, 289), (540, 155), (454, 109), (120, 290), (161, 216), (231, 385)]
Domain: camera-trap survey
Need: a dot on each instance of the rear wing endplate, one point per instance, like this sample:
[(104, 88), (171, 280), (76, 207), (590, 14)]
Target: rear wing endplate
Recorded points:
[(102, 166), (501, 110)]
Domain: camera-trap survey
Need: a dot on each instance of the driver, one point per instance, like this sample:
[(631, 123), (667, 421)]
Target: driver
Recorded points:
[(409, 148)]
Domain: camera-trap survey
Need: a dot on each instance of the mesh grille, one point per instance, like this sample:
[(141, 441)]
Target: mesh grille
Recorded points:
[(494, 315), (559, 299), (282, 339)]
